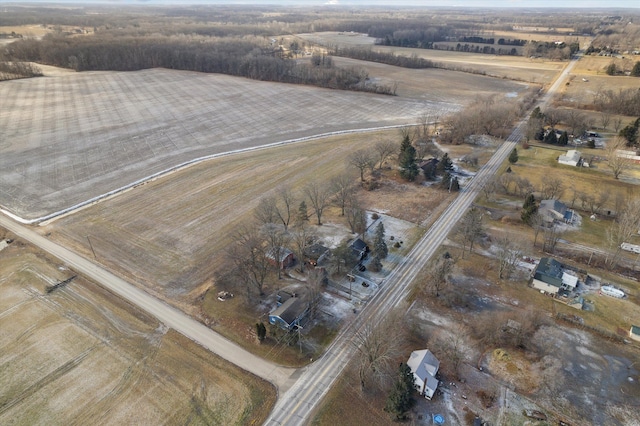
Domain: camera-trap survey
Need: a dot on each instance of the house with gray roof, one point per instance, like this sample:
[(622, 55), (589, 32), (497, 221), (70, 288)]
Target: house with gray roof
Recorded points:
[(555, 211), (424, 366), (550, 277), (292, 309), (571, 158)]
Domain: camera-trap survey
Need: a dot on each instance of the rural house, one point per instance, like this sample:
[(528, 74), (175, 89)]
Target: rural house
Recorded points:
[(634, 333), (429, 167), (360, 249), (292, 309), (285, 255), (314, 254), (550, 277), (553, 211), (571, 158), (424, 366)]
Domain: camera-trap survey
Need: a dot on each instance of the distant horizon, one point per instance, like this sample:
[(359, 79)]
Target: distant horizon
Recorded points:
[(495, 4)]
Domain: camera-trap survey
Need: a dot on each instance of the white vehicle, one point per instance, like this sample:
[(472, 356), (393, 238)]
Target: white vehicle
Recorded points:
[(612, 291)]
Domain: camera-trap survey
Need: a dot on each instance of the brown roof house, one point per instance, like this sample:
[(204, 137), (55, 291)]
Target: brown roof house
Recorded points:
[(285, 256)]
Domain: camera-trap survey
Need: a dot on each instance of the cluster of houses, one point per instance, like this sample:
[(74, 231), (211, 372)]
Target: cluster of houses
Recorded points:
[(292, 309)]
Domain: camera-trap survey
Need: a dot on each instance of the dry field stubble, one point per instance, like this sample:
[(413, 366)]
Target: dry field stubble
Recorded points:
[(70, 137), (509, 67), (78, 356)]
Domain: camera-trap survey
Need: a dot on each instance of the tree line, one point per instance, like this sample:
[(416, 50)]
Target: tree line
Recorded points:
[(15, 70), (250, 58)]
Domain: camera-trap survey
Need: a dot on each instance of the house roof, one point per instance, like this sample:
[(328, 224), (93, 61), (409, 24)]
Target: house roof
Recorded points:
[(291, 309), (315, 251), (284, 252), (571, 155), (359, 245), (430, 162), (549, 271), (555, 205), (569, 280), (424, 365)]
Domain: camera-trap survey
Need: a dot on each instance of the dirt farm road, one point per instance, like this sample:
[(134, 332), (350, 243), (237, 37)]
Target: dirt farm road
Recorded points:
[(168, 315)]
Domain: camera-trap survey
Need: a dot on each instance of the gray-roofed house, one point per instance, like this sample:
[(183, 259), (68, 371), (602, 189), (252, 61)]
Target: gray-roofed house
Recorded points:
[(555, 211), (547, 276), (360, 249), (424, 366), (315, 253), (291, 311)]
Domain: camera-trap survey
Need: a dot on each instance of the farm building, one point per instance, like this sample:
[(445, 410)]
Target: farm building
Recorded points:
[(292, 309), (424, 366), (550, 277), (285, 256), (571, 158), (634, 333)]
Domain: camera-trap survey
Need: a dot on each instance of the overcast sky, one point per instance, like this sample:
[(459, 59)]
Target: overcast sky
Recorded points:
[(578, 4)]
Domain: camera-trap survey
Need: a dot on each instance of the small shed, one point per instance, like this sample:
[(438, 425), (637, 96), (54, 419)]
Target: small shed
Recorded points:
[(634, 333)]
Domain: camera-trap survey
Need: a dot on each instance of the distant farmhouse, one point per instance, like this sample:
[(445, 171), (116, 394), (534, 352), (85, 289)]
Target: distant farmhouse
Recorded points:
[(571, 158), (550, 277)]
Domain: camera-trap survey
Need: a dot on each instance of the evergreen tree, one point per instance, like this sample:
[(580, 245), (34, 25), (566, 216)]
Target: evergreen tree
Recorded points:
[(380, 249), (529, 208), (635, 72), (630, 133), (303, 215), (564, 138), (537, 114), (513, 157), (375, 265), (445, 165), (551, 137), (261, 331), (407, 160), (450, 183), (400, 399)]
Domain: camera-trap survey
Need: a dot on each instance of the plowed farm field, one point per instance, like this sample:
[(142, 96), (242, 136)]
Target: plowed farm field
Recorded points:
[(78, 355), (68, 138)]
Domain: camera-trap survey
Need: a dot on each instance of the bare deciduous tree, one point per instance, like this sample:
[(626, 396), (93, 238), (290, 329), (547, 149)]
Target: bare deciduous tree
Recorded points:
[(616, 162), (361, 160), (248, 256), (356, 216), (605, 119), (378, 346), (471, 228), (508, 254), (284, 205), (551, 237), (343, 191), (551, 188), (277, 239), (625, 226), (384, 150), (438, 275), (319, 196), (453, 346)]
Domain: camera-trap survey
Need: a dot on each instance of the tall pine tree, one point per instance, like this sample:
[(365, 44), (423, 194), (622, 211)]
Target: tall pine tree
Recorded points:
[(407, 160), (513, 157), (400, 399), (380, 249), (529, 208)]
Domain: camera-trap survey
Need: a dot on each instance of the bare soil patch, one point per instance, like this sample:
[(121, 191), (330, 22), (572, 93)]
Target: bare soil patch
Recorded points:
[(79, 355)]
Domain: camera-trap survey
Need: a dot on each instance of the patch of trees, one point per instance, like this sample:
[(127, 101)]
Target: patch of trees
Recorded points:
[(550, 50), (383, 58), (623, 101), (485, 49), (248, 58), (14, 70), (510, 42), (476, 39), (409, 34)]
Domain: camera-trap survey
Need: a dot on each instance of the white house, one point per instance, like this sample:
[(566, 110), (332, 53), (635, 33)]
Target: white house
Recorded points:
[(571, 158), (424, 366), (634, 333)]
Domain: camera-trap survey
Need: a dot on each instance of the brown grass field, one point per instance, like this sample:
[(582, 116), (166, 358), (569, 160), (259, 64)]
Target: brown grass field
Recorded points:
[(79, 355)]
